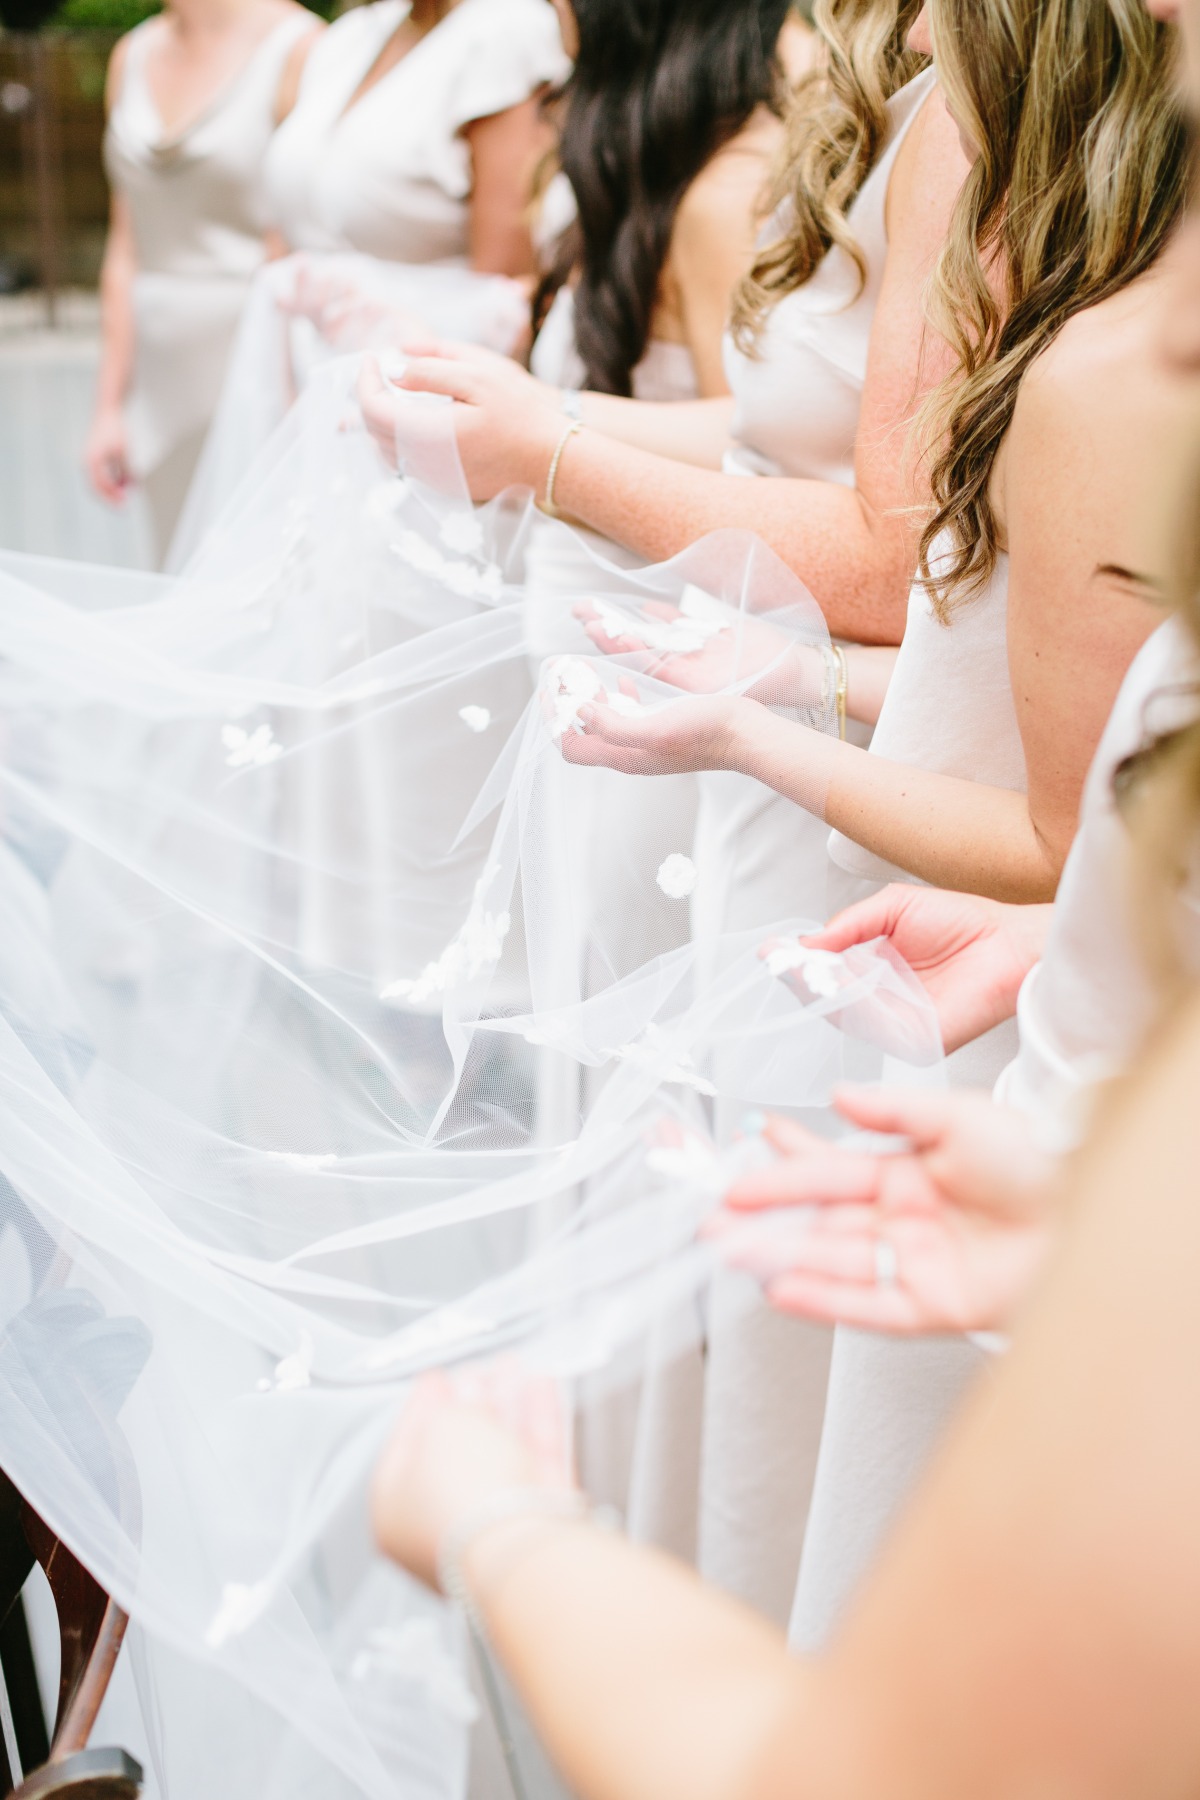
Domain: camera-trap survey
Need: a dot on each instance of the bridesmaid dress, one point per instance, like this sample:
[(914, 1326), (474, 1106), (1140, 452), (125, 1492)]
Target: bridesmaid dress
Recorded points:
[(761, 860), (949, 708), (389, 173), (624, 837), (637, 1451), (195, 200), (381, 187)]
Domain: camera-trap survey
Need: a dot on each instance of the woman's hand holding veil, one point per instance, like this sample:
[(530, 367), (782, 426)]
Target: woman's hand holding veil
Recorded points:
[(462, 1440), (506, 422), (747, 653), (945, 1234), (969, 953), (674, 738)]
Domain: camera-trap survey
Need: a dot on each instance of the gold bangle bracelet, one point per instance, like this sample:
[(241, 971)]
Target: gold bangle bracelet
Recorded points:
[(838, 672), (568, 432)]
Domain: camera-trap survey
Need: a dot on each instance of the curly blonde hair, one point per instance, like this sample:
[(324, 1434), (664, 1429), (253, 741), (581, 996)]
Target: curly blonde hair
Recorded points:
[(1081, 173), (836, 125)]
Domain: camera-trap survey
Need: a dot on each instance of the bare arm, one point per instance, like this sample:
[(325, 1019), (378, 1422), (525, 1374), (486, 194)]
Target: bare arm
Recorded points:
[(1096, 431), (106, 454), (1034, 1625), (854, 546), (687, 431), (711, 247), (505, 150)]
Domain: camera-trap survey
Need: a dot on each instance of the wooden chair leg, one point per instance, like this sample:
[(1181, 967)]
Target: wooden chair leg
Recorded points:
[(21, 1686), (91, 1631)]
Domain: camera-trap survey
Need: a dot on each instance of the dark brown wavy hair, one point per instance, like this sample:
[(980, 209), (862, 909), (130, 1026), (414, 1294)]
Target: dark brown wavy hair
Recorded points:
[(658, 87)]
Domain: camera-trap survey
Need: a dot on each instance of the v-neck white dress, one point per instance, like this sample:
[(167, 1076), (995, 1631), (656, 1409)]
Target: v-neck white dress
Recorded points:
[(196, 206), (389, 173)]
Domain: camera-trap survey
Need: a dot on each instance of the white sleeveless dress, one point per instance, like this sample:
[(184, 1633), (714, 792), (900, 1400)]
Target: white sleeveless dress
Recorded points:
[(390, 175), (639, 1451), (761, 859), (949, 708), (195, 201), (629, 829), (1087, 1006)]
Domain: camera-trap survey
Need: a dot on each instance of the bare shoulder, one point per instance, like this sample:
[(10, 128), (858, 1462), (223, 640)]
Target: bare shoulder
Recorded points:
[(1103, 369), (1100, 424), (728, 191)]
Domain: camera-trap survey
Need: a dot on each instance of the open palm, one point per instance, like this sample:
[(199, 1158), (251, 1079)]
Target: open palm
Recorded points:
[(946, 1234)]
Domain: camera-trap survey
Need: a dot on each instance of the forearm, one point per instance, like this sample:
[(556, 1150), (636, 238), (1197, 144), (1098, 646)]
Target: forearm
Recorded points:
[(950, 832), (117, 329), (856, 565), (687, 431), (685, 1690), (868, 672)]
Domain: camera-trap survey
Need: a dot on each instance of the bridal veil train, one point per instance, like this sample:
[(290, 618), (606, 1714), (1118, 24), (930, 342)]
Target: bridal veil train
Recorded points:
[(293, 950)]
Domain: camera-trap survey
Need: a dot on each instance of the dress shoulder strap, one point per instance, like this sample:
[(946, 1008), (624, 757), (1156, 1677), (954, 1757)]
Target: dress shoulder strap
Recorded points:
[(137, 44)]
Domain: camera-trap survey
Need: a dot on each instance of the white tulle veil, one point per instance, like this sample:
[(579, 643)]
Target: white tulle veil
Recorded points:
[(297, 945)]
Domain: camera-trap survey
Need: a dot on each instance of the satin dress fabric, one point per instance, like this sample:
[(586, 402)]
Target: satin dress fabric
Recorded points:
[(195, 201)]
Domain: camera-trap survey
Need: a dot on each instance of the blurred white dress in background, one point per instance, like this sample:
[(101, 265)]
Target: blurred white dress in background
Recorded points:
[(195, 201), (374, 193)]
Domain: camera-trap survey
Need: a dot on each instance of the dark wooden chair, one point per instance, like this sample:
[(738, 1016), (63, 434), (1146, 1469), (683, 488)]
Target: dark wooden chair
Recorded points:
[(85, 1365), (91, 1628)]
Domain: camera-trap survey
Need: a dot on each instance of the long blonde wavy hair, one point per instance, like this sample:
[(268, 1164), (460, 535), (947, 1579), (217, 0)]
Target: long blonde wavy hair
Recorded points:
[(1080, 176), (836, 126)]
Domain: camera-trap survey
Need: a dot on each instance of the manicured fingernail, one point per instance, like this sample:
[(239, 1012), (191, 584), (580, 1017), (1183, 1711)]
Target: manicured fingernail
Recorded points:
[(754, 1124)]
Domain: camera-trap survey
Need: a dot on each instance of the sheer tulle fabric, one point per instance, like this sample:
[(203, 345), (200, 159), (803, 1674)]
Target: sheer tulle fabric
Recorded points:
[(294, 955), (302, 312)]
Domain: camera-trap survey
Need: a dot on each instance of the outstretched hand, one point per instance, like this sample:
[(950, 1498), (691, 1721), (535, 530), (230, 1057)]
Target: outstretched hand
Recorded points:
[(970, 954), (673, 738), (947, 1234), (701, 652), (462, 1438), (506, 423)]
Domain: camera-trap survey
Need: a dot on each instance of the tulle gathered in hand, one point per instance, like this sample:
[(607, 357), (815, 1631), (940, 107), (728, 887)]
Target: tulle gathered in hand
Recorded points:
[(296, 950)]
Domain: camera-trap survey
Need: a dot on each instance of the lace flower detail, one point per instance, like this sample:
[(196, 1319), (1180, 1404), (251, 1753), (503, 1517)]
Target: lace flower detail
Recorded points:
[(242, 1604), (822, 971), (249, 749), (470, 581), (702, 618), (654, 1051), (475, 718), (291, 1372), (677, 876), (570, 683), (476, 946)]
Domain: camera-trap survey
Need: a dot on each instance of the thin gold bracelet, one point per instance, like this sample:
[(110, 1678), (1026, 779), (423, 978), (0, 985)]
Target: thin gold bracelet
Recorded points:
[(839, 675), (568, 432)]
